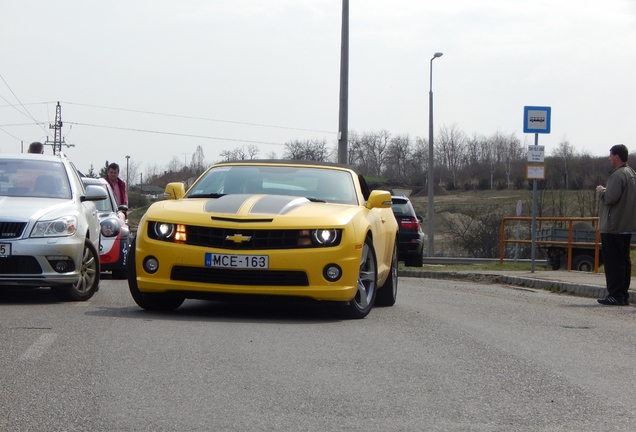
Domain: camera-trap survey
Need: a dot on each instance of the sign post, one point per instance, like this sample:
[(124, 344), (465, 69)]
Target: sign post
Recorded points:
[(536, 119)]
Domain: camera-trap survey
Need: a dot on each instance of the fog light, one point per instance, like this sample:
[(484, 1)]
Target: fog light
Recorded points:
[(61, 267), (61, 264), (332, 272), (151, 265)]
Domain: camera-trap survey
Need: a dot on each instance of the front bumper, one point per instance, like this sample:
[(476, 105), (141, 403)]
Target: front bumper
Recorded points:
[(291, 272), (32, 261)]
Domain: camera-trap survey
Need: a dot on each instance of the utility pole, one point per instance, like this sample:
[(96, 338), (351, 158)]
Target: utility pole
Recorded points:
[(343, 120), (57, 135)]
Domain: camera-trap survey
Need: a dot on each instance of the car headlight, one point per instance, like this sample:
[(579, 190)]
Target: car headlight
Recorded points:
[(167, 231), (164, 230), (62, 227), (320, 237), (110, 227)]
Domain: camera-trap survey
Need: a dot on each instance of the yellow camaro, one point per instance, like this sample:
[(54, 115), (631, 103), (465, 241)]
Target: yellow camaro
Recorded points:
[(263, 227)]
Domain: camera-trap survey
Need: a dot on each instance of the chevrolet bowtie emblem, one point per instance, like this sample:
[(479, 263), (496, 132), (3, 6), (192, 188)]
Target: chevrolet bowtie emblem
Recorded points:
[(238, 238)]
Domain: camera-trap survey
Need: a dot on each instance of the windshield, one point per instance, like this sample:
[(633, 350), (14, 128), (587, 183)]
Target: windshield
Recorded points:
[(33, 178), (317, 184)]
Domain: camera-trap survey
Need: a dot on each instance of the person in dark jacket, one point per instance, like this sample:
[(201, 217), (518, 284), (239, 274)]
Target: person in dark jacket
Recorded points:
[(617, 223)]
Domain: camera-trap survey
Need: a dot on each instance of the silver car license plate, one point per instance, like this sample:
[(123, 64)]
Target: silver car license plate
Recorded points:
[(5, 249)]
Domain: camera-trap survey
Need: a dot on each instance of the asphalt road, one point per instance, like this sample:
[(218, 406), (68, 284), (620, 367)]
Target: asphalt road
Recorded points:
[(449, 356)]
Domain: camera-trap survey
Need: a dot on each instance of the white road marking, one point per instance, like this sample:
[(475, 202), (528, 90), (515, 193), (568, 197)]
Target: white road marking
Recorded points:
[(38, 348)]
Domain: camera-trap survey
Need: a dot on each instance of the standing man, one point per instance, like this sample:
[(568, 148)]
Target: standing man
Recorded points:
[(617, 222), (117, 184)]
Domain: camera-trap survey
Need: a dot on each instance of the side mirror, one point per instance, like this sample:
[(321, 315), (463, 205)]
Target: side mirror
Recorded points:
[(379, 199), (175, 190), (94, 193)]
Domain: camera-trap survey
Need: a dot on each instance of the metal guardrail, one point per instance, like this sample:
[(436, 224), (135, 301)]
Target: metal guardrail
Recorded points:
[(569, 244), (470, 261)]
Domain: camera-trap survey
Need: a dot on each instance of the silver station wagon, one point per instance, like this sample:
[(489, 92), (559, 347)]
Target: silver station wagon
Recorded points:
[(49, 230)]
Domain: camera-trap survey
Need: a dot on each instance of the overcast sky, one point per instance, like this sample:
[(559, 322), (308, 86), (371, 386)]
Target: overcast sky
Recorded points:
[(155, 79)]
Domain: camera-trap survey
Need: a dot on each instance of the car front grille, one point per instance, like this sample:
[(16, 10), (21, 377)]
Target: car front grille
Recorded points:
[(255, 239), (239, 277), (11, 230), (19, 265)]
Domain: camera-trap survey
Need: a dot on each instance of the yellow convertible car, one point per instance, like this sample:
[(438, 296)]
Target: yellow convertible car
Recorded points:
[(273, 228)]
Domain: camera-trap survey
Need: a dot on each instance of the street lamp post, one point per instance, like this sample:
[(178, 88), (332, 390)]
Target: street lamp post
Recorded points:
[(431, 178), (127, 172)]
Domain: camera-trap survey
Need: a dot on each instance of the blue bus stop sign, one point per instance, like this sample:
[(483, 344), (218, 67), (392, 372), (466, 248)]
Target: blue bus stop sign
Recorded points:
[(536, 119)]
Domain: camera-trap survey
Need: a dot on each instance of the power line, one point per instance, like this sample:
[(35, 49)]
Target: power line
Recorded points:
[(28, 114), (201, 118), (40, 124), (174, 134)]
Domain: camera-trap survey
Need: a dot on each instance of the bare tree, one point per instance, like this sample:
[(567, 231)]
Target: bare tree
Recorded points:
[(133, 171), (253, 151), (197, 165), (232, 155), (371, 152), (477, 231), (398, 153), (476, 157), (175, 164), (452, 144), (564, 155), (313, 150), (511, 153), (417, 165), (152, 171), (491, 158), (353, 149)]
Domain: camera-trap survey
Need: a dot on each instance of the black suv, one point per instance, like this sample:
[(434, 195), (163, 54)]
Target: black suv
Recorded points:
[(410, 236)]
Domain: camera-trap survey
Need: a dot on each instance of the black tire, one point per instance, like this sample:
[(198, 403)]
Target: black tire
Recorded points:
[(414, 260), (360, 306), (153, 302), (554, 263), (387, 294), (555, 258), (583, 263), (88, 281), (119, 274)]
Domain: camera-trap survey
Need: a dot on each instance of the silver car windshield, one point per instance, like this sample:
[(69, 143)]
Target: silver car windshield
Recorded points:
[(33, 178), (317, 184)]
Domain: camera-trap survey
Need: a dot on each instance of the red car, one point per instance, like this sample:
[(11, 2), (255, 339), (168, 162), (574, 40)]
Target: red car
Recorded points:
[(115, 235)]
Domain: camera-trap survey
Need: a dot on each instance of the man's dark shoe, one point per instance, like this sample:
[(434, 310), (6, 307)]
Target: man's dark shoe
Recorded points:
[(613, 301)]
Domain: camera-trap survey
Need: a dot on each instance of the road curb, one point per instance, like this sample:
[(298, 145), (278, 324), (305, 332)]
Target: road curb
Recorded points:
[(581, 290)]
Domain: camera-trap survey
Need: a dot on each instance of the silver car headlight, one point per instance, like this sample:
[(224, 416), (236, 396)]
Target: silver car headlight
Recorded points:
[(110, 227), (61, 227)]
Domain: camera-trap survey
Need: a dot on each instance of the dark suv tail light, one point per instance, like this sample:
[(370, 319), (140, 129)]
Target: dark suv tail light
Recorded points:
[(410, 224)]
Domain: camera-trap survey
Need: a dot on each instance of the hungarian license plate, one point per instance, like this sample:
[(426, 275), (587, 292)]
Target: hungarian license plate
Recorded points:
[(236, 261), (5, 249)]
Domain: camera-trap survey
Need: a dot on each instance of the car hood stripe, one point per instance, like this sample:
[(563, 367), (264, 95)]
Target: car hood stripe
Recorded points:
[(254, 204)]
